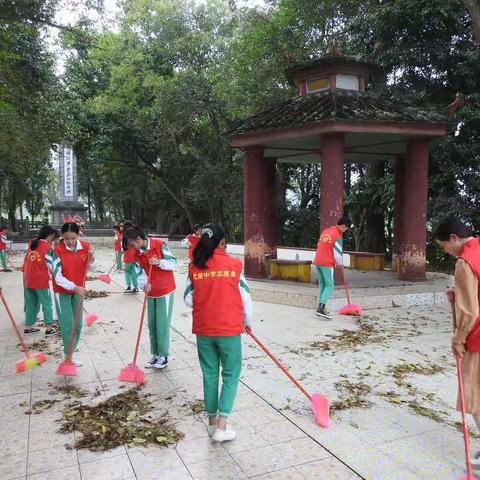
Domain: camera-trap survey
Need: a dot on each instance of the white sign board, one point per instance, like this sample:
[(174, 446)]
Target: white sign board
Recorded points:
[(68, 171)]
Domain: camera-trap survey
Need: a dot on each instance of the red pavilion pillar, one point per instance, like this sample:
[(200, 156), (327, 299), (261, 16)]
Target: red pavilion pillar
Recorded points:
[(331, 183), (259, 210), (413, 211), (397, 211)]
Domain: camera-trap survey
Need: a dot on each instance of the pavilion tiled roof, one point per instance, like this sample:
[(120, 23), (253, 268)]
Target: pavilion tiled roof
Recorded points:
[(338, 105)]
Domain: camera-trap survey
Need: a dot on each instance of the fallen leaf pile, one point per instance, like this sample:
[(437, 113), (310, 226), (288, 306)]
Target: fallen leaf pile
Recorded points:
[(402, 369), (349, 339), (196, 406), (69, 391), (89, 294), (351, 395), (124, 419), (38, 406)]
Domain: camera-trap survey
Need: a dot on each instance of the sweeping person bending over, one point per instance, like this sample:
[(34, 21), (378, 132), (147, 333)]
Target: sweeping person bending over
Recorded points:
[(329, 254), (73, 258), (38, 263), (457, 239), (222, 310), (154, 256)]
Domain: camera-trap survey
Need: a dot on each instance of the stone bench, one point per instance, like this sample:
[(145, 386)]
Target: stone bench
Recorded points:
[(366, 260), (297, 270)]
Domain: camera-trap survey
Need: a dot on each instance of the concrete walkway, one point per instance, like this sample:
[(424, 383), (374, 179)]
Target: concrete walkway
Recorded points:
[(382, 419)]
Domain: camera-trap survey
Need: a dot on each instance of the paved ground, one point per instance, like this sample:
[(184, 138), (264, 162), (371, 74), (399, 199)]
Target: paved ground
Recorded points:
[(386, 382)]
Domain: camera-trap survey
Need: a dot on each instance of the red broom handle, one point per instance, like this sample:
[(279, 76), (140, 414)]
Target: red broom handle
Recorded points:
[(464, 421), (278, 364), (345, 284), (17, 331), (111, 268), (77, 314), (466, 436), (142, 317)]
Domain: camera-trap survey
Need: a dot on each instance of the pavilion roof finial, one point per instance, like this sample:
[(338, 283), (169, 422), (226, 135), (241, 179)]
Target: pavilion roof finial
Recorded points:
[(333, 49)]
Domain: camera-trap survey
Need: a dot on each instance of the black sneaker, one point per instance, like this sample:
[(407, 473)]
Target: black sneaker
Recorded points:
[(322, 312), (152, 362), (31, 330), (6, 270), (135, 291), (50, 332), (127, 290), (161, 362)]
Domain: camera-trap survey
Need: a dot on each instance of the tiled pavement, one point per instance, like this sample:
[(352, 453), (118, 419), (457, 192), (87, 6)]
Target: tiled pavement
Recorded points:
[(277, 439)]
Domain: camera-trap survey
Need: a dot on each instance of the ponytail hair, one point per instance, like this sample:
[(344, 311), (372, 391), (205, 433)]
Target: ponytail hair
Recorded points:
[(133, 233), (126, 225), (212, 235), (70, 227), (453, 226), (44, 232)]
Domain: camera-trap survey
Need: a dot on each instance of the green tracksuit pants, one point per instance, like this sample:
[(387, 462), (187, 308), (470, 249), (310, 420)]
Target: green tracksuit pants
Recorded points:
[(66, 306), (34, 298), (159, 316), (131, 275), (214, 352), (118, 258), (3, 260), (325, 283)]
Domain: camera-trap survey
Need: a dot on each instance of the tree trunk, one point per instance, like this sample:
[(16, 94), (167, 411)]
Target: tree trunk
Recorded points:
[(473, 7), (89, 201)]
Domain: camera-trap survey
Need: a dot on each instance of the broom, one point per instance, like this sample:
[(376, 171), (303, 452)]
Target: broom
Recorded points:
[(68, 368), (466, 435), (106, 276), (350, 308), (31, 360), (132, 372), (319, 403)]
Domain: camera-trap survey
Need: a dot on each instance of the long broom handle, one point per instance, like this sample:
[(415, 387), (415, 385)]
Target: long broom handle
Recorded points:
[(279, 365), (17, 331), (77, 314), (466, 436), (111, 268), (142, 317), (345, 284)]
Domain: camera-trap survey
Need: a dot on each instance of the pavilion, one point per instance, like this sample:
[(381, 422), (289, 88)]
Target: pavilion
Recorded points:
[(336, 119)]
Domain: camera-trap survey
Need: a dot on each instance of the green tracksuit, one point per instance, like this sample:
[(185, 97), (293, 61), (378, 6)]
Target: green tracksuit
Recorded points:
[(159, 316), (131, 275), (325, 275), (66, 306), (213, 352), (33, 299), (3, 260), (118, 258)]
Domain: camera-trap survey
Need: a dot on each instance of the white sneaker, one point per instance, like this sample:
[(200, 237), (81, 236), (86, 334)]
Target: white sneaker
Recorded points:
[(78, 363), (224, 435), (151, 362), (161, 362), (211, 430)]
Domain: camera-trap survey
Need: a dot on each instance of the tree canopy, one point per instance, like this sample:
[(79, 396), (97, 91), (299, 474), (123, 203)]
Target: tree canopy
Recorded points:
[(149, 105)]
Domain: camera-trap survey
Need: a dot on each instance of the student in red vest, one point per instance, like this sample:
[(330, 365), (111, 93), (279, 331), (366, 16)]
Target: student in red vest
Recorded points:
[(72, 257), (191, 241), (3, 247), (153, 255), (117, 230), (222, 309), (328, 255), (458, 240), (38, 263)]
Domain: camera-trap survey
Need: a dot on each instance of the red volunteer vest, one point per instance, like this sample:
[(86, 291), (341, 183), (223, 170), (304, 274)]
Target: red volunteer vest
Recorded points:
[(162, 281), (118, 241), (3, 245), (324, 255), (471, 254), (129, 255), (217, 304), (74, 265), (35, 270), (193, 239)]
